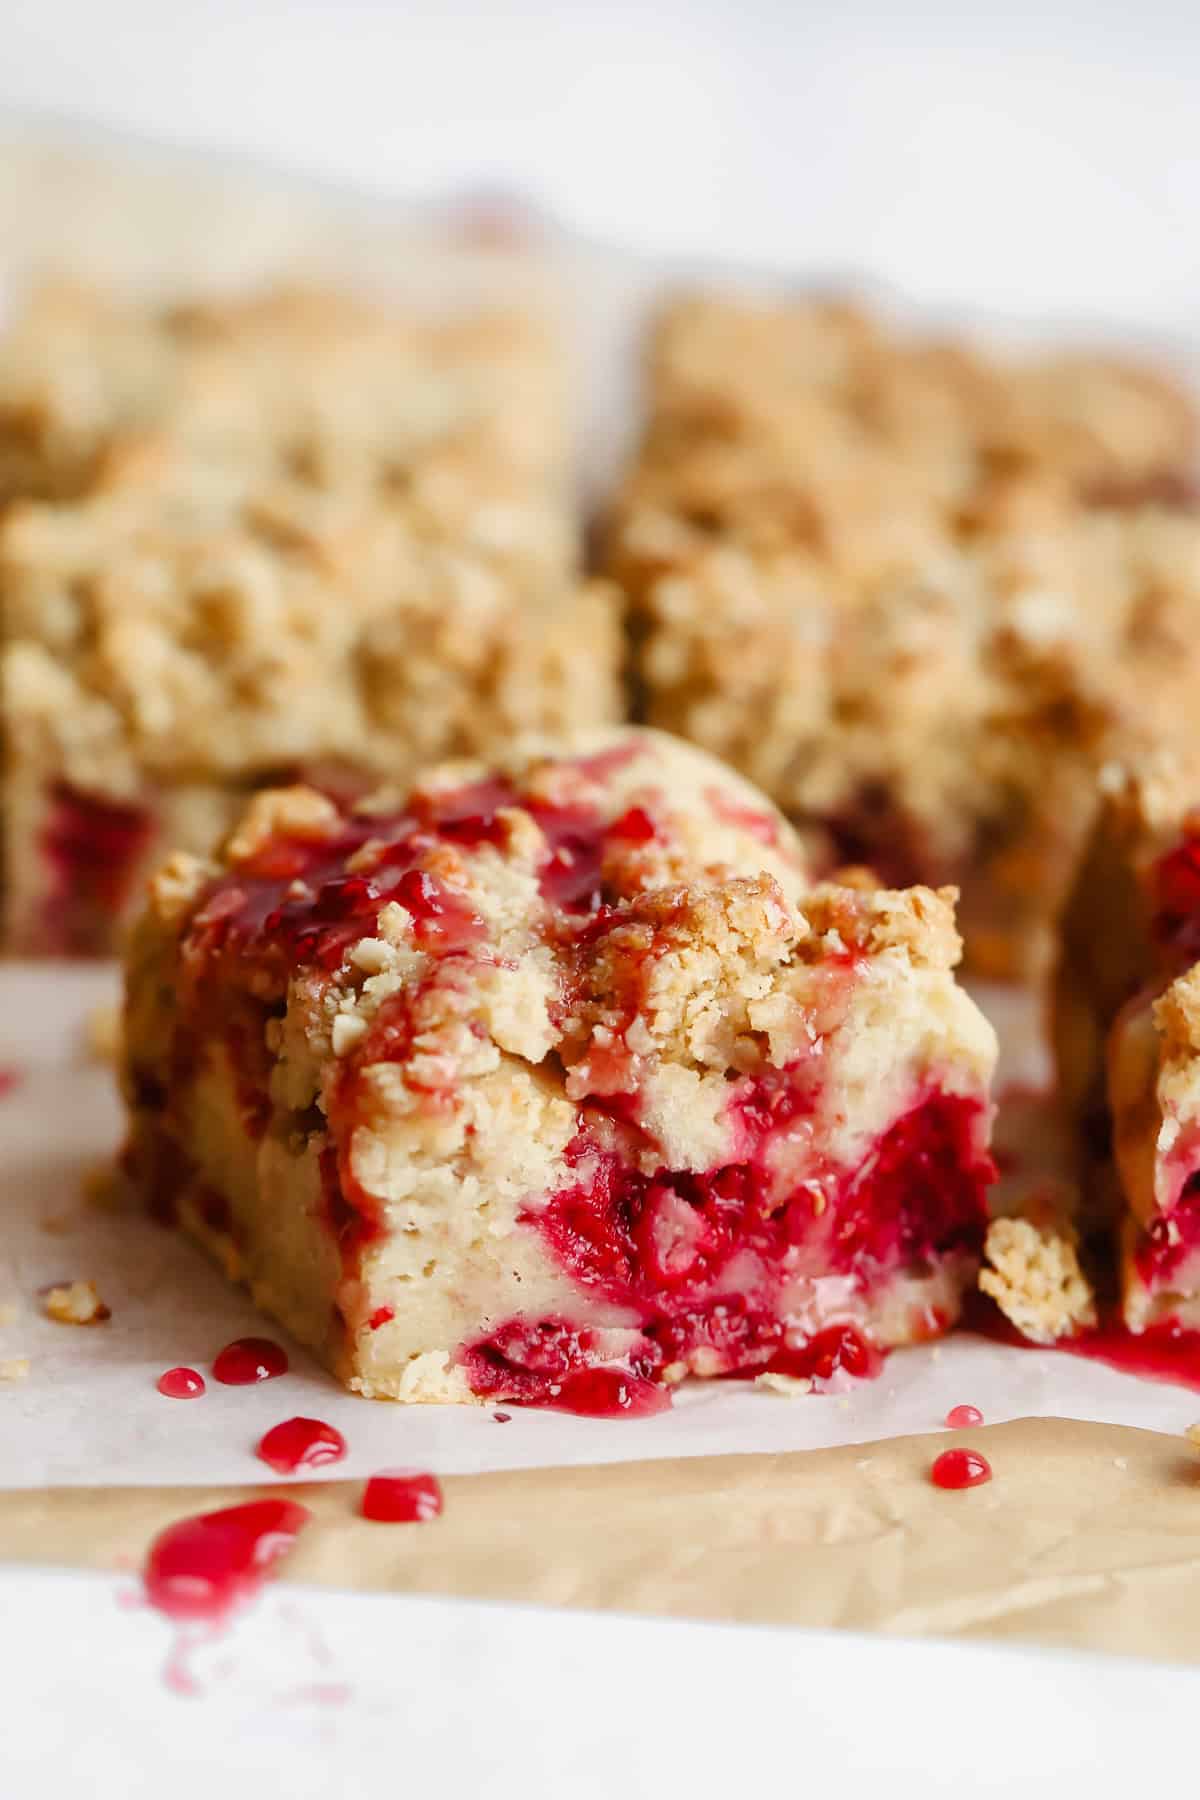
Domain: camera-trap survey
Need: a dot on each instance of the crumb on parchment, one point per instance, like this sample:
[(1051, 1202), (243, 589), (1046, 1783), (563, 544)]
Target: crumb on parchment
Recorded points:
[(14, 1368), (103, 1033), (1032, 1272), (784, 1385), (75, 1303)]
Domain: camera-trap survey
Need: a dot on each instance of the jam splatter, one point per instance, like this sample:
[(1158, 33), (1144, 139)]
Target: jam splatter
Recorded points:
[(204, 1567), (960, 1469), (248, 1360), (960, 1418), (402, 1497), (301, 1444), (181, 1384)]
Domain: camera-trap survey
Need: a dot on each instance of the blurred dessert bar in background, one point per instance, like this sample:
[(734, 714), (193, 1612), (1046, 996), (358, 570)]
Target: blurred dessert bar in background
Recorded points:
[(918, 594), (295, 533)]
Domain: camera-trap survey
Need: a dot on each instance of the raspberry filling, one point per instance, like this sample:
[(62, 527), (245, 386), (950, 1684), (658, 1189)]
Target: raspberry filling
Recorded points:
[(92, 849), (1175, 898), (711, 1266)]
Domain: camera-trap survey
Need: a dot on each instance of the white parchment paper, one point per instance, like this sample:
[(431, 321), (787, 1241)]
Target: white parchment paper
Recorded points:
[(89, 1411)]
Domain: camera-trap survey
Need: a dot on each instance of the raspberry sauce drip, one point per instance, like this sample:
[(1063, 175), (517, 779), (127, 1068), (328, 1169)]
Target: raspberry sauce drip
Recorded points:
[(960, 1418), (960, 1469), (1165, 1352), (203, 1567), (248, 1360), (607, 1394), (301, 1444), (181, 1384), (402, 1497)]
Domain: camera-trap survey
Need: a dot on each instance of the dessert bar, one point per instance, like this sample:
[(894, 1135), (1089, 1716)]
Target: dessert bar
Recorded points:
[(917, 595), (1127, 1033), (291, 535), (553, 1079)]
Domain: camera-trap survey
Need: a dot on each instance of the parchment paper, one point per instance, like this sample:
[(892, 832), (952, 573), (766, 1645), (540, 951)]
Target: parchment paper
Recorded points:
[(89, 1411)]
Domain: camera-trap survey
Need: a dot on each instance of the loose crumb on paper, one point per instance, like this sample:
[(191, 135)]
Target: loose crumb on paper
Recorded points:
[(8, 1313), (784, 1385), (75, 1303), (14, 1368), (103, 1033)]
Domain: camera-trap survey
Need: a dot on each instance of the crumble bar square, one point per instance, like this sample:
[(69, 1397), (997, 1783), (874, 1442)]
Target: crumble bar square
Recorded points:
[(555, 1072), (918, 596), (309, 538), (1127, 1032)]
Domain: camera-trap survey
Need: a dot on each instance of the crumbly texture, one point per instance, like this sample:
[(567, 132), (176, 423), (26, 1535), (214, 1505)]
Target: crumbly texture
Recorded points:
[(295, 535), (75, 1303), (916, 595), (1033, 1273), (1127, 1031), (554, 1068)]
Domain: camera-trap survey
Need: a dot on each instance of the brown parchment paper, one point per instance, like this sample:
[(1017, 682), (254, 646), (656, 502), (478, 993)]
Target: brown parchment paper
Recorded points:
[(1088, 1536)]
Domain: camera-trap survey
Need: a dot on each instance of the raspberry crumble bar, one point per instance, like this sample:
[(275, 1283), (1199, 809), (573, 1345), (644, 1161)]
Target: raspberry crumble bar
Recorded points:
[(291, 537), (555, 1071), (915, 594), (1127, 1032)]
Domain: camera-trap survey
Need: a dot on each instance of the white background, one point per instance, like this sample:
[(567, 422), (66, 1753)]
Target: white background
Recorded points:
[(1031, 158)]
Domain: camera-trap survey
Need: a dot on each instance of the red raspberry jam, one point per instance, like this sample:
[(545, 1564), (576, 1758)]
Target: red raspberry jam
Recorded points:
[(1175, 885), (248, 1360), (383, 1315), (201, 1568), (960, 1469), (301, 1444), (402, 1497), (181, 1384), (93, 849), (960, 1418)]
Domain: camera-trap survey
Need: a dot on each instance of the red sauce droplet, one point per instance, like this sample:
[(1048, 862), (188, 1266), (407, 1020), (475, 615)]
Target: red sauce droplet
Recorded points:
[(608, 1394), (201, 1568), (960, 1469), (959, 1417), (248, 1360), (502, 1418), (402, 1496), (181, 1384), (9, 1079), (301, 1444)]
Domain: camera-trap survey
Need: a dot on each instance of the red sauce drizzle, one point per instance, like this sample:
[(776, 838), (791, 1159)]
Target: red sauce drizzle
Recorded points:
[(301, 1444), (181, 1384), (1165, 1352), (201, 1568), (248, 1360), (961, 1418), (402, 1497)]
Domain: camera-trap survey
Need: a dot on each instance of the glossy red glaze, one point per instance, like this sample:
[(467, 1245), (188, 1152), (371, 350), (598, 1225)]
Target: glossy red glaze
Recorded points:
[(301, 1444), (960, 1418), (402, 1497), (1165, 1352), (960, 1469), (248, 1360), (181, 1384), (201, 1568)]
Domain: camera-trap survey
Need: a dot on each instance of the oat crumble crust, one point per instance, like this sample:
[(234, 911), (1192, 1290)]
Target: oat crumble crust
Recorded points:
[(875, 574), (1033, 1273), (75, 1303), (296, 534), (452, 1087)]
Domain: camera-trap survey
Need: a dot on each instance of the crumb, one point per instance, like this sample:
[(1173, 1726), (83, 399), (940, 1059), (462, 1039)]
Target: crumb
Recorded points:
[(1120, 1462), (75, 1303), (843, 1406), (783, 1384), (103, 1033), (1036, 1280), (8, 1313), (14, 1368), (1192, 1435)]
